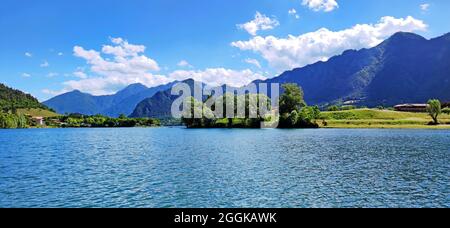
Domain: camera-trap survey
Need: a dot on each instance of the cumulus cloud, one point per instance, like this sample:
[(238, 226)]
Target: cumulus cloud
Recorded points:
[(298, 51), (253, 62), (321, 5), (80, 74), (28, 54), (26, 75), (60, 54), (52, 74), (261, 22), (293, 12), (54, 92), (218, 76), (425, 7), (122, 63), (184, 63), (45, 64), (128, 65)]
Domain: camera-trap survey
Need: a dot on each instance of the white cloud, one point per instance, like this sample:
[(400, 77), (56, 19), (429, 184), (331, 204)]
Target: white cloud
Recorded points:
[(28, 54), (261, 22), (218, 76), (123, 48), (110, 85), (80, 74), (321, 5), (60, 54), (298, 51), (52, 74), (425, 7), (253, 62), (184, 63), (128, 65), (45, 64), (293, 12), (54, 92), (26, 75)]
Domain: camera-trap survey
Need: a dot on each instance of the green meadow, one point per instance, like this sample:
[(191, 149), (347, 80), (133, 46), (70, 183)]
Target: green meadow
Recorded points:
[(37, 112), (374, 118)]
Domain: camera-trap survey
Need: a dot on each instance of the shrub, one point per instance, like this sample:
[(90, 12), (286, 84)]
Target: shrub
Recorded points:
[(348, 107), (333, 108), (446, 111)]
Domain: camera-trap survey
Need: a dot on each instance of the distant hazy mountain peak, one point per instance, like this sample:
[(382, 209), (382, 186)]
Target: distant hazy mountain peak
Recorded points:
[(403, 37), (123, 102), (136, 86)]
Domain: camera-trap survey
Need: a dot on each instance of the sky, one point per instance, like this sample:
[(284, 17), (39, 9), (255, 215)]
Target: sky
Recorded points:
[(49, 47)]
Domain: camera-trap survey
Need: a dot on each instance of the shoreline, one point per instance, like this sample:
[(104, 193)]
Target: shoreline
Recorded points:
[(355, 127)]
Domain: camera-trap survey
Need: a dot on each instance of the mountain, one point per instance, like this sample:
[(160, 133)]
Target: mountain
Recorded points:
[(15, 99), (123, 102), (406, 68), (159, 106)]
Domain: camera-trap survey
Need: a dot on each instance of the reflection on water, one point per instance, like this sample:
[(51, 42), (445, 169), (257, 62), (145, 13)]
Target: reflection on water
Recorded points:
[(176, 167)]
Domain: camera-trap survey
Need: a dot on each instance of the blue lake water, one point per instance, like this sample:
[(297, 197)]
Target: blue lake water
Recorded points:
[(176, 167)]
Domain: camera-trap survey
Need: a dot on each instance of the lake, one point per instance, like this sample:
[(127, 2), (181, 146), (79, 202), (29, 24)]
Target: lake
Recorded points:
[(177, 167)]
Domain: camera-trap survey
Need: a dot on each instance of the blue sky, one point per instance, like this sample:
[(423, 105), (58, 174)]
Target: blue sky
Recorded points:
[(215, 41)]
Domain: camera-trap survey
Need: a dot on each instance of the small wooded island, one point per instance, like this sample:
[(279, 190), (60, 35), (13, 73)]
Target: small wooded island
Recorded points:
[(293, 111)]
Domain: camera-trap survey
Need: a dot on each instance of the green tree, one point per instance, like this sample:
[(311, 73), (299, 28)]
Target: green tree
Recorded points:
[(434, 110), (21, 121), (293, 118), (8, 120), (292, 99), (207, 116), (333, 108), (446, 111)]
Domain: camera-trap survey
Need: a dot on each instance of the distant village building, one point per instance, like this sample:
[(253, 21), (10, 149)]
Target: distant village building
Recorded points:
[(38, 120), (411, 107)]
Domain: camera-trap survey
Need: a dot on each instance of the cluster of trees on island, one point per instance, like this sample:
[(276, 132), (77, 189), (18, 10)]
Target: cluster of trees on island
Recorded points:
[(293, 111)]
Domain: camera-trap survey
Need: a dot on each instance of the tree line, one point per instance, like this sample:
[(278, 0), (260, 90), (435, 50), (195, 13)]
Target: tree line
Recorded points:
[(9, 120), (100, 121), (294, 113)]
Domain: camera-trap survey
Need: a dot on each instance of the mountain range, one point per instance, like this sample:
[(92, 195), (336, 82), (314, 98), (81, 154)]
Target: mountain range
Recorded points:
[(405, 68), (123, 102), (159, 106)]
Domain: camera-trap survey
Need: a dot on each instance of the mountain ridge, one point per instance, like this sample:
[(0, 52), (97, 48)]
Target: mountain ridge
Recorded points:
[(11, 99), (405, 68), (122, 102), (395, 71)]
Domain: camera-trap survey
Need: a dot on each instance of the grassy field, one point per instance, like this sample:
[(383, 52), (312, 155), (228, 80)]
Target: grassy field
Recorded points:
[(37, 112), (374, 118)]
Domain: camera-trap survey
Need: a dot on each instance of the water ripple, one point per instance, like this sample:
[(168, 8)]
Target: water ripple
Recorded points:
[(176, 167)]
